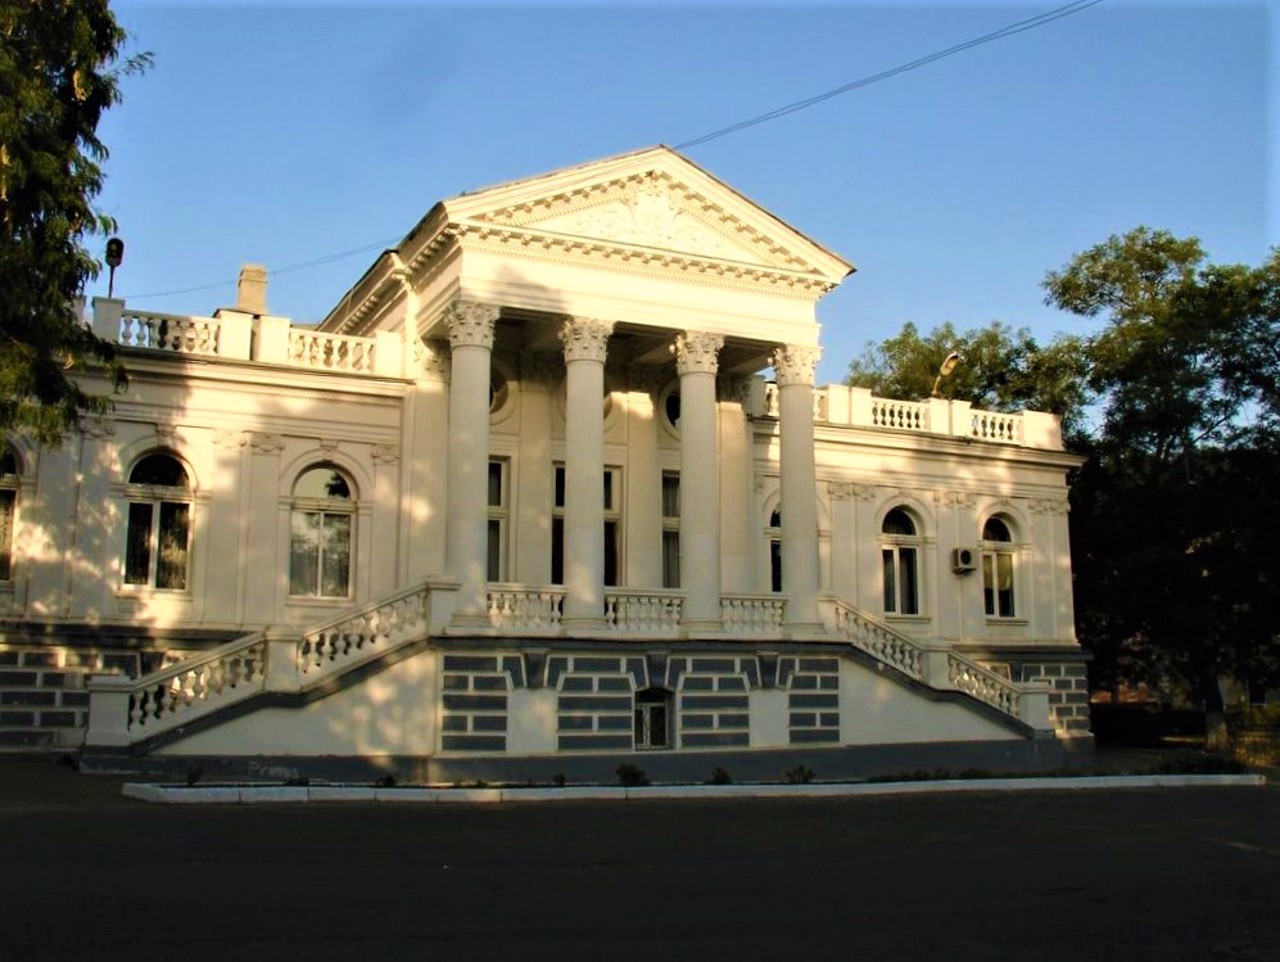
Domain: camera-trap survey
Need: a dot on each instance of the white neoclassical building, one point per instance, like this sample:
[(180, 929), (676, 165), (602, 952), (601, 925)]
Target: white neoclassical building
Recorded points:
[(550, 489)]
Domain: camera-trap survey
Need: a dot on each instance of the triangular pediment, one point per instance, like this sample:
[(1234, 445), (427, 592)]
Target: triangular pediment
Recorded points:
[(653, 199)]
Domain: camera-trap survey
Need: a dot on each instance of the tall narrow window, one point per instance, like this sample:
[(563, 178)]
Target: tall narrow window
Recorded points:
[(320, 530), (499, 516), (773, 534), (612, 481), (670, 530), (158, 541), (899, 555), (8, 506), (997, 569)]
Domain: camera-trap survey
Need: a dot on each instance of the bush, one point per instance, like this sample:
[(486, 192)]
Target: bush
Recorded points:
[(720, 777), (631, 777), (800, 775)]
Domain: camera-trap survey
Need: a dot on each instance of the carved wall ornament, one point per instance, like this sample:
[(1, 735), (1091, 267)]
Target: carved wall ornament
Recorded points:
[(957, 499), (697, 353), (266, 443), (97, 428), (329, 445), (1049, 506), (841, 490), (385, 454), (795, 364), (431, 358), (864, 492), (470, 324), (166, 435), (228, 438), (585, 339)]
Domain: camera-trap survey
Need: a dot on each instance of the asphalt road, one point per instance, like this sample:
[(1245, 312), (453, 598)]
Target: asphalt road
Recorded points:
[(1152, 874)]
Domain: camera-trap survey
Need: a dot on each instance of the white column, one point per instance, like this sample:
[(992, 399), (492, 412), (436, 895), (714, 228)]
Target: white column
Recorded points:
[(795, 366), (471, 341), (696, 363), (740, 524), (644, 478), (585, 345), (538, 372)]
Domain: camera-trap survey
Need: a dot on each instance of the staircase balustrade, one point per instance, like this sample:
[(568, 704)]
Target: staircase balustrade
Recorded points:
[(365, 633), (194, 686)]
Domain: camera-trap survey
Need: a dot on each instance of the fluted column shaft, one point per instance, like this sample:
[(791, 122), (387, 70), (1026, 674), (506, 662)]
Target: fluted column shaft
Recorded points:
[(585, 347), (795, 367), (696, 363), (471, 341)]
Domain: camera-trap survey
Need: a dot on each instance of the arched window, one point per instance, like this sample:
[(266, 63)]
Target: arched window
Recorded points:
[(997, 569), (8, 508), (158, 545), (773, 534), (320, 529), (900, 558)]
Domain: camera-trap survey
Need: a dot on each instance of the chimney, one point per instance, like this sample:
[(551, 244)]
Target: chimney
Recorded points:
[(251, 289)]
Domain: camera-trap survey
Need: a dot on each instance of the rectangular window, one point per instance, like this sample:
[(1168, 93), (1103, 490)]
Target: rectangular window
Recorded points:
[(612, 498), (670, 530), (304, 552), (498, 517), (171, 558), (335, 571), (997, 584), (6, 535), (137, 555)]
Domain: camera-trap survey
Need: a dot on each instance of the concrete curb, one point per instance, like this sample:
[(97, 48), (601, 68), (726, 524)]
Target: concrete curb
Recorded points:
[(255, 794)]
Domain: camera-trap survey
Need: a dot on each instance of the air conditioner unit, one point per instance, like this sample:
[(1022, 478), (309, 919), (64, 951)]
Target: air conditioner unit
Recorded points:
[(964, 560)]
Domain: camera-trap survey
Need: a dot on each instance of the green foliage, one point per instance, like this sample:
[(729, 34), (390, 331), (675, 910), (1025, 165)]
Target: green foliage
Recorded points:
[(1000, 369), (1175, 517), (720, 776), (59, 71), (800, 775), (631, 776)]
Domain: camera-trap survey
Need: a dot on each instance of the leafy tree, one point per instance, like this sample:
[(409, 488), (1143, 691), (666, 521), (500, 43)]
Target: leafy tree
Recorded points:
[(1000, 369), (1173, 518), (60, 64)]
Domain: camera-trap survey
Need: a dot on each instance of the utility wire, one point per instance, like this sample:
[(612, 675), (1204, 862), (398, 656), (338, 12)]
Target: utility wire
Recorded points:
[(1021, 26), (1014, 28), (277, 271)]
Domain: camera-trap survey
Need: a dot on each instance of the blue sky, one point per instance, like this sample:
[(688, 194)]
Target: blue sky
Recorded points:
[(284, 133)]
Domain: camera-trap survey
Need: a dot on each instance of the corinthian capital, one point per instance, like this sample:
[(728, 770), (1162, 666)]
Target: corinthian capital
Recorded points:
[(697, 353), (585, 339), (795, 364), (470, 324)]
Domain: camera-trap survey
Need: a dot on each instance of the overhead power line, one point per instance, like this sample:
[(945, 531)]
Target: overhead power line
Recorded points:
[(1014, 28), (1010, 30)]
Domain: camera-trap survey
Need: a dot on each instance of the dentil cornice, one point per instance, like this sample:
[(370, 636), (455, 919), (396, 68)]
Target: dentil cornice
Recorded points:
[(697, 353), (585, 339)]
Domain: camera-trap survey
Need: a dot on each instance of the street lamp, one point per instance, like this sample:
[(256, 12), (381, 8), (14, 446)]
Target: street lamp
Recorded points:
[(948, 365)]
